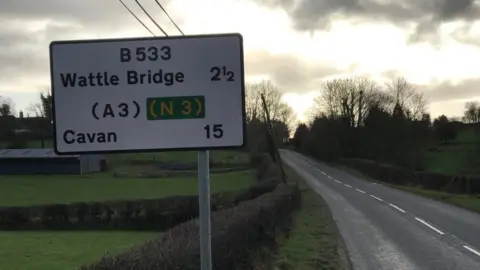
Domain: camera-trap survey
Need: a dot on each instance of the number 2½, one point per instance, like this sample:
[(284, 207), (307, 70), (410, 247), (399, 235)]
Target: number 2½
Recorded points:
[(217, 71)]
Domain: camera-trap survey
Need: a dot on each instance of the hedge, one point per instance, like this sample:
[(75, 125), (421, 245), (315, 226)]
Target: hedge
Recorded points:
[(460, 184), (237, 233), (148, 214), (267, 170)]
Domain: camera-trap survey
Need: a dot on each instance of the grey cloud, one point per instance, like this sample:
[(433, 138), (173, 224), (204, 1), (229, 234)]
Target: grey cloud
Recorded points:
[(290, 73), (315, 14), (448, 91), (28, 26)]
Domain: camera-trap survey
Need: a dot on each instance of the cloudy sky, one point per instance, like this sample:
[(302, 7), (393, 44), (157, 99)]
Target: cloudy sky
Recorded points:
[(296, 43)]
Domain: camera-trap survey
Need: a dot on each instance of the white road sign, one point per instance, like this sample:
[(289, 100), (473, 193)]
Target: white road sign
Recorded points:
[(133, 95)]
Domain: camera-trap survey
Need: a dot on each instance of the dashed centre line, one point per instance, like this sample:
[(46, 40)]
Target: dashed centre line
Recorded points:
[(338, 181), (376, 198), (396, 207), (472, 250), (428, 225), (359, 190), (348, 186)]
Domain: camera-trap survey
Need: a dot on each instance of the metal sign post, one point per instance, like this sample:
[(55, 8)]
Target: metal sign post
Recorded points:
[(205, 225)]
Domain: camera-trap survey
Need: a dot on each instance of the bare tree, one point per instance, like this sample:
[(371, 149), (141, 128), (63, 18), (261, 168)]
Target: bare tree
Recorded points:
[(7, 106), (417, 106), (350, 98), (43, 108), (402, 92), (253, 103), (472, 112), (279, 110)]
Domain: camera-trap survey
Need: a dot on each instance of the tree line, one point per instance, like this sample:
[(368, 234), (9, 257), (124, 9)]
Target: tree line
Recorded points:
[(34, 124), (358, 118)]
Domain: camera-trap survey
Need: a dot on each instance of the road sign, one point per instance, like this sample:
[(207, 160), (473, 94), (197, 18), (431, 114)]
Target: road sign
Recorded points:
[(147, 94)]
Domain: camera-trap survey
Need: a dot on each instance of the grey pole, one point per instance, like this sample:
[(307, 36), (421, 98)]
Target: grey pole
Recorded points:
[(204, 210)]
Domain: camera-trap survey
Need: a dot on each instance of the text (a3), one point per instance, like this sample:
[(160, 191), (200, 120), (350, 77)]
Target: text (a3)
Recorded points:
[(215, 131), (221, 73)]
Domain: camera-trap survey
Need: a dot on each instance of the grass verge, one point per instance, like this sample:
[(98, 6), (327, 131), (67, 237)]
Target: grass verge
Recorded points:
[(62, 250), (468, 202), (314, 241), (31, 190)]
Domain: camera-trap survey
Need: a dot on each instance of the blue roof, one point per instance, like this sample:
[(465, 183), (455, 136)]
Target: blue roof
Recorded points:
[(30, 153)]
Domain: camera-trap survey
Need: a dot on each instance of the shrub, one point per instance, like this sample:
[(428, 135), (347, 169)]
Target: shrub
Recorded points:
[(237, 233), (436, 181), (474, 184)]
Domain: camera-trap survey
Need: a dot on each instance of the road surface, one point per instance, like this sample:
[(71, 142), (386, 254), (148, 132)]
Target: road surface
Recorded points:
[(385, 228)]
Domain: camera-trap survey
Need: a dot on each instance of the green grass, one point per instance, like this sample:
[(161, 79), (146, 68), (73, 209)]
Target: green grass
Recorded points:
[(30, 190), (62, 250), (314, 242)]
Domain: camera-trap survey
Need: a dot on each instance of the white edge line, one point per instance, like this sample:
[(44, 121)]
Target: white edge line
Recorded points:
[(361, 191), (472, 250), (348, 186), (428, 225), (376, 198), (396, 207)]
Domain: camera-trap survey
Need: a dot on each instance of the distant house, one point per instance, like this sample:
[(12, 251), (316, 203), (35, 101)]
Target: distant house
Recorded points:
[(45, 161)]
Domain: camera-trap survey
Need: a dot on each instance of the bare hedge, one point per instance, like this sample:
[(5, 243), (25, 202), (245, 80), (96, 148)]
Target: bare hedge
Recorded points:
[(147, 214), (237, 233)]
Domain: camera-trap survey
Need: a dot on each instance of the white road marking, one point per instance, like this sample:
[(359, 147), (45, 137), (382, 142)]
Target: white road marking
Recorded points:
[(376, 198), (324, 173), (361, 191), (472, 250), (428, 225), (348, 186), (396, 207), (338, 181), (329, 176)]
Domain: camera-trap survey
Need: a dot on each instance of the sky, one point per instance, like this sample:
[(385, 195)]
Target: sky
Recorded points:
[(298, 44)]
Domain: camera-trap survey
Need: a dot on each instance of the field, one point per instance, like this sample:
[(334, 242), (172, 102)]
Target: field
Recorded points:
[(68, 250), (62, 250), (30, 190), (461, 156)]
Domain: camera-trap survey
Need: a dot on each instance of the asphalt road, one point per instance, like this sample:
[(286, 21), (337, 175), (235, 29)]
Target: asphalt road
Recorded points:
[(385, 228)]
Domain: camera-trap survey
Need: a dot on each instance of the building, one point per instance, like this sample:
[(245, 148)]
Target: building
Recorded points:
[(45, 161)]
